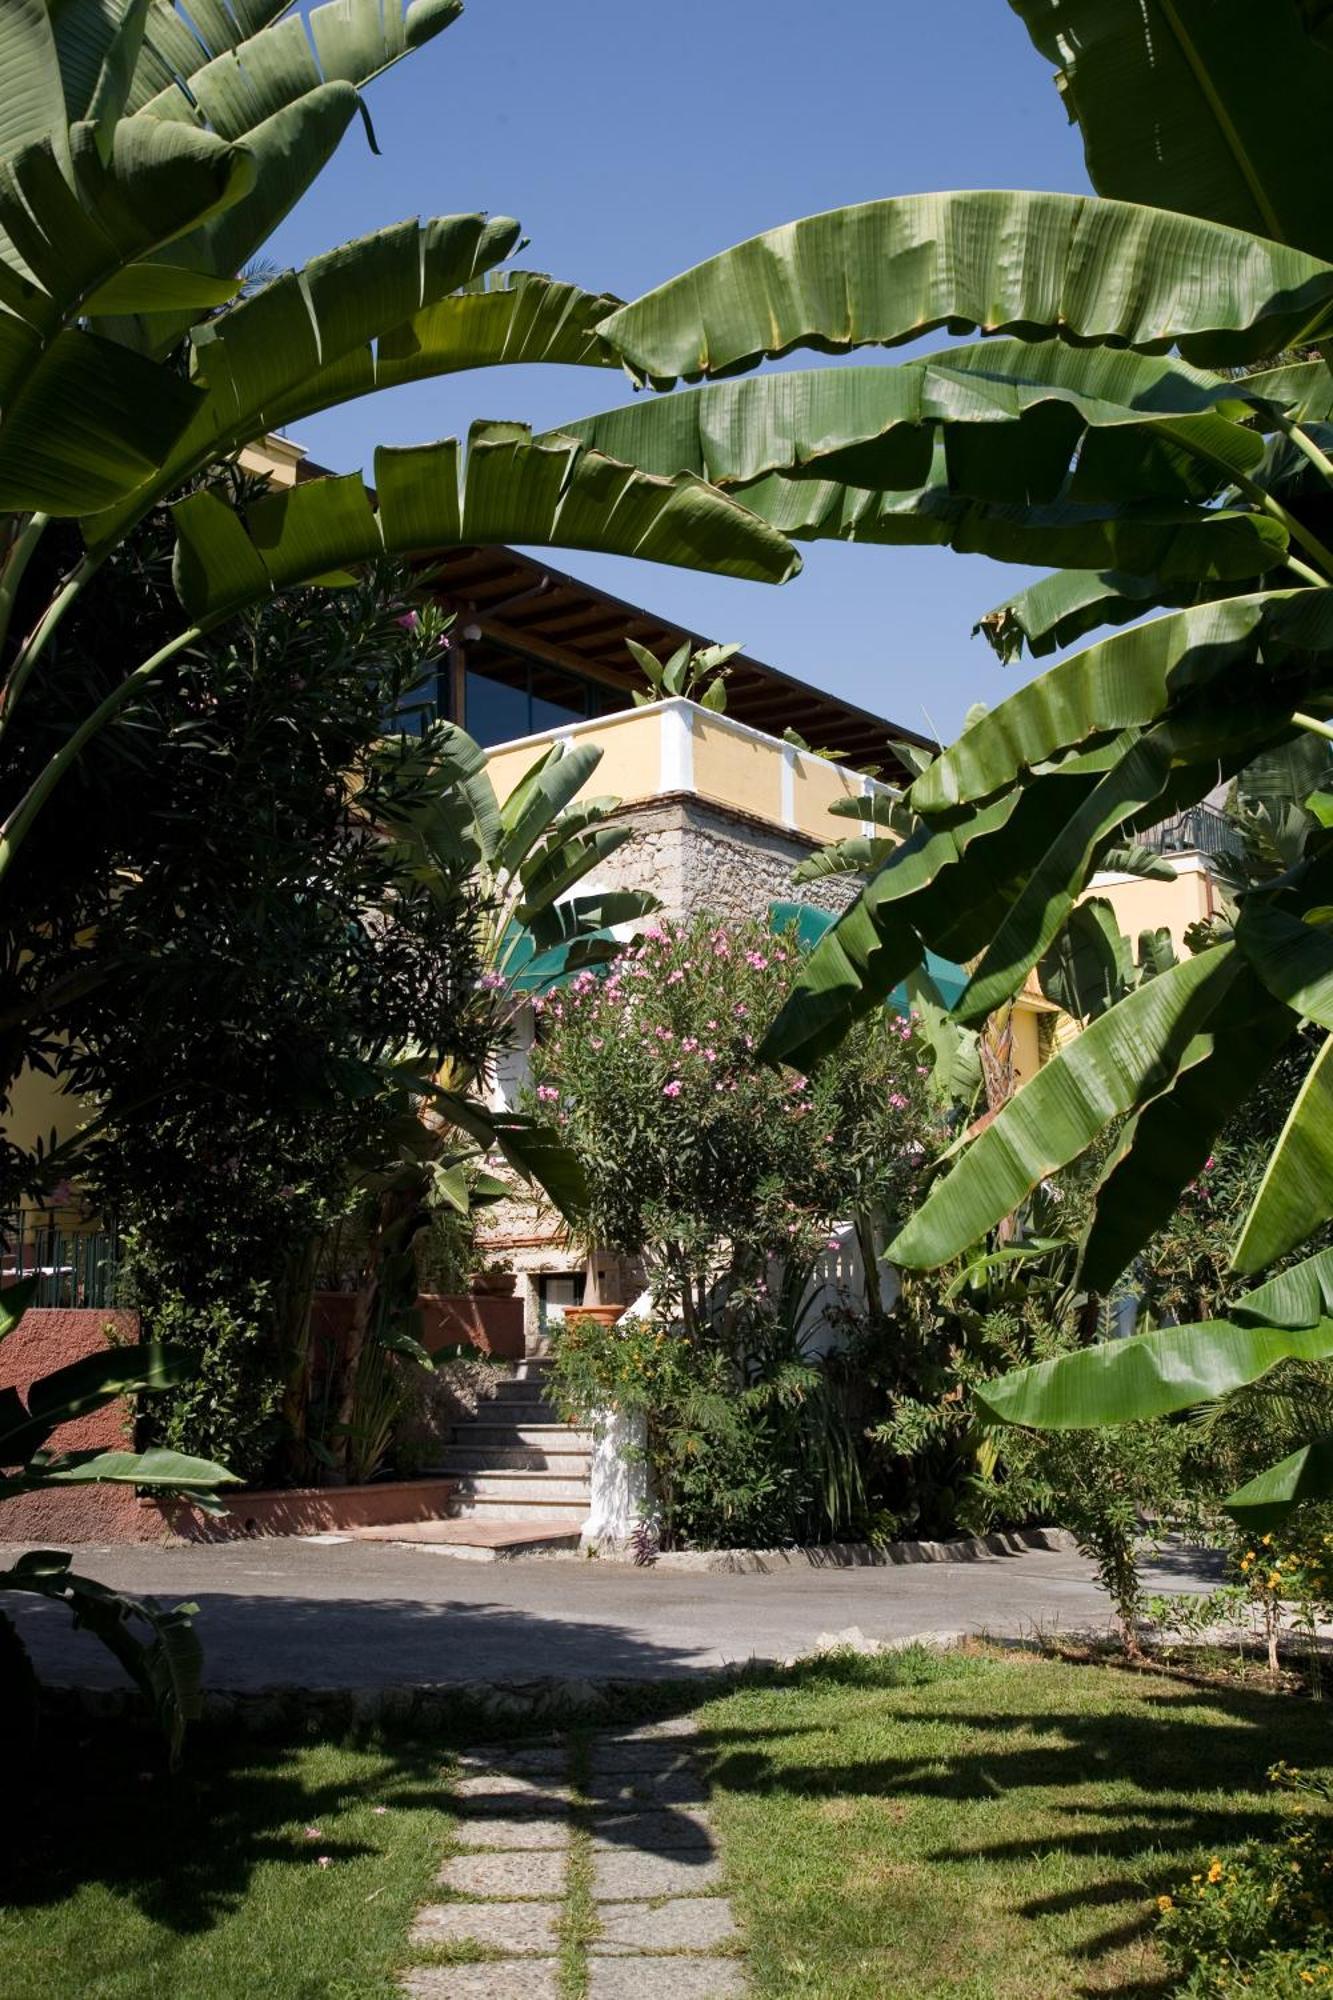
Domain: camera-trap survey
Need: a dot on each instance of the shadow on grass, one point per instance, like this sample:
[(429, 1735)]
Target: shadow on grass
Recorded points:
[(1135, 1778)]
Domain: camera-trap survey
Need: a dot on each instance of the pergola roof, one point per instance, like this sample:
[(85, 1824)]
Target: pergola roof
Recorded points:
[(527, 604)]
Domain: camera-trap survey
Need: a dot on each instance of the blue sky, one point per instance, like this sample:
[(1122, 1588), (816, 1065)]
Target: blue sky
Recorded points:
[(631, 141)]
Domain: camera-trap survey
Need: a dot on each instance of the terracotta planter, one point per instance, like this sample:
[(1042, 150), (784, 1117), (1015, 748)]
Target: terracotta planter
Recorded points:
[(599, 1315), (493, 1285)]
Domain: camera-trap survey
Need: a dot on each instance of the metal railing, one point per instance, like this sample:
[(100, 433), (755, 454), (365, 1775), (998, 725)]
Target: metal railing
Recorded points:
[(72, 1266), (1199, 829)]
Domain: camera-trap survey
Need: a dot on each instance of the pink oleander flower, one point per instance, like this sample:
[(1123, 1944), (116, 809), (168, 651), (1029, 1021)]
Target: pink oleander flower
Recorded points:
[(674, 978), (710, 1055), (689, 1045), (325, 1860), (547, 1093), (672, 1089), (493, 982), (897, 1100), (740, 1010), (596, 1041), (314, 1833), (757, 960), (832, 1243)]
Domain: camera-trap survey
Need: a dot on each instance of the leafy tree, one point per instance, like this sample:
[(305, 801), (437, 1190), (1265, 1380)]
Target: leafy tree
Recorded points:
[(245, 961)]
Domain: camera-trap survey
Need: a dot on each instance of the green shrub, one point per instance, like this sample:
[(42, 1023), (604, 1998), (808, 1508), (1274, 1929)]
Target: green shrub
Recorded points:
[(1260, 1922)]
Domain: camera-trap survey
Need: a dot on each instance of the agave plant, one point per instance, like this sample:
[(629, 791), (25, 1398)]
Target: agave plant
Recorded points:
[(147, 152), (1148, 410), (157, 1647)]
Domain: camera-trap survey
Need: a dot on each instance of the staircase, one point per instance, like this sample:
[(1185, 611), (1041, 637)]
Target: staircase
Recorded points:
[(514, 1461), (519, 1481)]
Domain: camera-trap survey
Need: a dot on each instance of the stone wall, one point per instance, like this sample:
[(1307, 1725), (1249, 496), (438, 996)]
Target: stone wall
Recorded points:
[(697, 856)]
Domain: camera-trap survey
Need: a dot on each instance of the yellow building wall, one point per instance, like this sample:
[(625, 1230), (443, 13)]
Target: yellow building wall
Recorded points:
[(818, 786), (1149, 906), (38, 1107), (631, 759), (737, 769)]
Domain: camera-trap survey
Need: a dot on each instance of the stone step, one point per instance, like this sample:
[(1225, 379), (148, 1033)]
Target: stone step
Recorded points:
[(540, 1486), (500, 1434), (468, 1507), (517, 1413), (467, 1456)]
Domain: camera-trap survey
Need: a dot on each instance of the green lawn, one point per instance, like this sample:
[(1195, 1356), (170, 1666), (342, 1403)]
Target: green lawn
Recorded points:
[(127, 1884), (990, 1828)]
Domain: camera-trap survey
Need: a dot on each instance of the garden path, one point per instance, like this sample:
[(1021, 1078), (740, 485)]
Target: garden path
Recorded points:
[(581, 1861)]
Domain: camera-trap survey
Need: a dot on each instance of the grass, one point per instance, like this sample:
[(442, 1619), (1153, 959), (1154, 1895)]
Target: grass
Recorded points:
[(990, 1828), (986, 1828), (120, 1882)]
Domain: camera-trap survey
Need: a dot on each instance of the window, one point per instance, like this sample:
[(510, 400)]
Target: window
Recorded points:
[(507, 694), (558, 1292)]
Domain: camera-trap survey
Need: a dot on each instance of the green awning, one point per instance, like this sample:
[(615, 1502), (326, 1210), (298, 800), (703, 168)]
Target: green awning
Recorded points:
[(811, 924)]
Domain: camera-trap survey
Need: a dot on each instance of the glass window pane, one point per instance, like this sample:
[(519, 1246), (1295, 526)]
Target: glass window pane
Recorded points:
[(558, 698), (497, 702)]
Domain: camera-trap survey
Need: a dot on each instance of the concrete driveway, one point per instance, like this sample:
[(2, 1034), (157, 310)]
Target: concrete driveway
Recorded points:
[(371, 1615)]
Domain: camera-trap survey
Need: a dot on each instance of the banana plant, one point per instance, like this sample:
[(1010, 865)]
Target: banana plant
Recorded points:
[(157, 1647), (1148, 412), (146, 155), (692, 673)]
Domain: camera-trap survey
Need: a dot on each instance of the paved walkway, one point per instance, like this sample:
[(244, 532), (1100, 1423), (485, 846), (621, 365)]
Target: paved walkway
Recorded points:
[(596, 1861), (369, 1615)]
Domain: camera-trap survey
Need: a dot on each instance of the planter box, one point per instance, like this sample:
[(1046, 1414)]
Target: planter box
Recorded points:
[(299, 1510), (492, 1325)]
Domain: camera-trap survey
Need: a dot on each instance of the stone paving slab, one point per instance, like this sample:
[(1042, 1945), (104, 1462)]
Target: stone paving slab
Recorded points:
[(532, 1877), (623, 1877), (507, 1927), (630, 1792), (654, 1832), (512, 1833), (663, 1979), (638, 1753), (520, 1979), (499, 1787), (543, 1757), (685, 1923)]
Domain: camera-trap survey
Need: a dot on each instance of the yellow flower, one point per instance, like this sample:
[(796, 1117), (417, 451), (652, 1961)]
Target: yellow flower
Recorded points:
[(1267, 1542), (1165, 1903), (1215, 1871), (1274, 1580), (1308, 1977)]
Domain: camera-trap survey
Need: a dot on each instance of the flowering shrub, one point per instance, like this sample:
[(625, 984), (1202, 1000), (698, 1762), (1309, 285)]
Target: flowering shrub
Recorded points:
[(1289, 1570), (700, 1160), (1260, 1922), (728, 1178)]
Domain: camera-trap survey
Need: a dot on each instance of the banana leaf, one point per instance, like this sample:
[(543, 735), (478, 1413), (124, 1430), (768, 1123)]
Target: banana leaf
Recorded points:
[(1116, 1065), (1193, 107), (1130, 681), (1014, 418), (1147, 1375), (1169, 1142), (509, 487), (1032, 265), (1295, 1196), (1265, 1501), (1297, 1297)]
